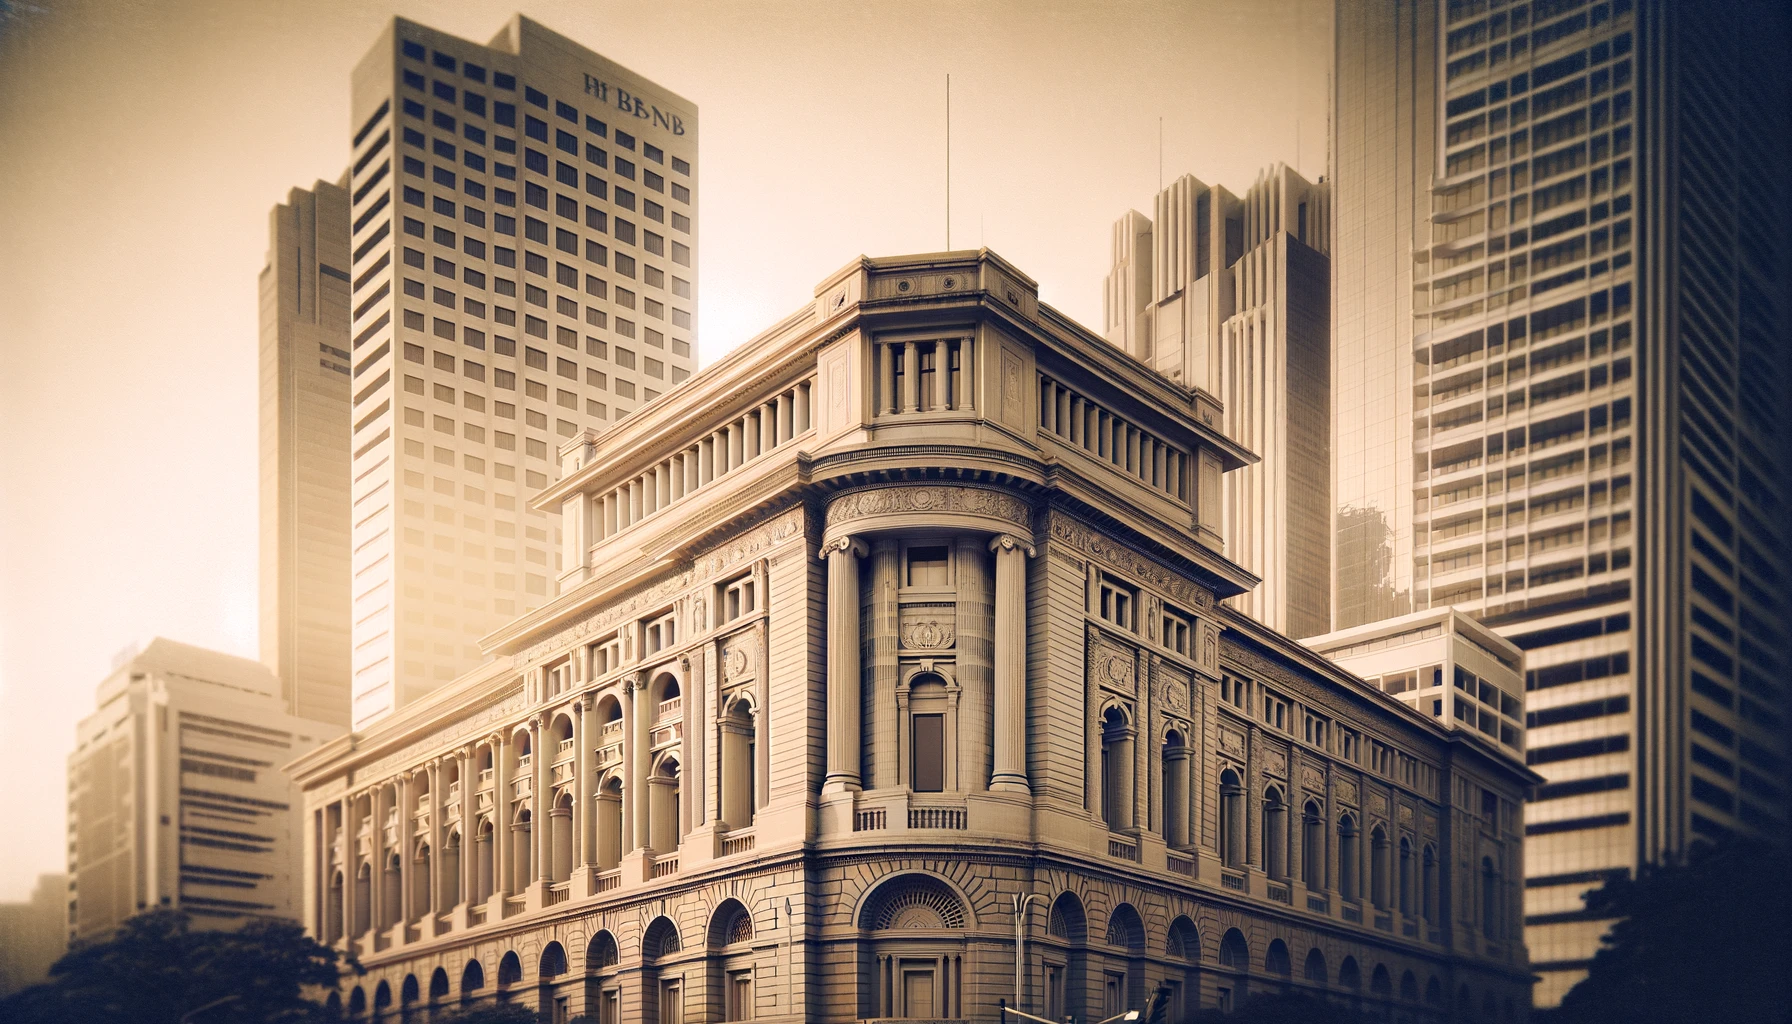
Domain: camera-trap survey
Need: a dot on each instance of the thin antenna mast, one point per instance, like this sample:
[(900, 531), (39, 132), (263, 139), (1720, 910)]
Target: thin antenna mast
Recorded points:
[(1160, 153), (948, 161)]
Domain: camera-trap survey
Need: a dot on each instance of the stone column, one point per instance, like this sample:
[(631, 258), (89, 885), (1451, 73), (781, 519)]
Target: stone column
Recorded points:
[(539, 832), (1010, 774), (975, 618), (627, 700), (885, 725), (583, 782), (843, 663), (469, 828), (502, 814), (438, 832), (639, 761), (346, 861)]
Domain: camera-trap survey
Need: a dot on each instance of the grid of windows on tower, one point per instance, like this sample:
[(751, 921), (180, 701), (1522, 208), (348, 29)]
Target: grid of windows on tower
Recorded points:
[(539, 263), (1523, 388)]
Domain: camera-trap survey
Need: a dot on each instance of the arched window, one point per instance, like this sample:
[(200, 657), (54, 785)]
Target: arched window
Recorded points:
[(738, 763), (357, 1002), (382, 1000), (665, 798), (391, 894), (1116, 770), (333, 911), (451, 870), (1275, 834), (407, 994), (1381, 986), (1231, 819), (553, 961), (1315, 968), (1428, 883), (438, 986), (1127, 932), (560, 845), (1234, 951), (1312, 846), (1378, 867), (1064, 960), (1183, 944), (510, 972), (1409, 987), (1490, 899), (472, 979), (601, 954), (910, 976), (363, 898), (1349, 858), (1434, 992), (1350, 975), (603, 995), (929, 741), (521, 835), (1276, 960), (609, 823), (730, 964), (485, 881), (1405, 876), (1183, 941), (420, 876), (1175, 790)]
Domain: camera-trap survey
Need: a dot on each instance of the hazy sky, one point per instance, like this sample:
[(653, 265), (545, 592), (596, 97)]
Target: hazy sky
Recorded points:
[(142, 145)]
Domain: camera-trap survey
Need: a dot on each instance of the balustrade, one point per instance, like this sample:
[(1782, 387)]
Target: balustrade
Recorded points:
[(1086, 426), (928, 376), (753, 434)]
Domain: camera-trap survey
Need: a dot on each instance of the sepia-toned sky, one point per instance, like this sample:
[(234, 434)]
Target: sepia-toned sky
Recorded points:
[(143, 142)]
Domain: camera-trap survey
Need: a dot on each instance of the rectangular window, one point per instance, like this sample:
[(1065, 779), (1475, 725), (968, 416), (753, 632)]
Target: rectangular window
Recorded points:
[(737, 598), (927, 567), (1175, 630), (1115, 603), (929, 753), (1236, 692)]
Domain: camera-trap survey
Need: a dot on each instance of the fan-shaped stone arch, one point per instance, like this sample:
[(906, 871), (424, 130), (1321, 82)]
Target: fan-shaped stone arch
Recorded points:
[(1350, 975), (1184, 940), (913, 901), (472, 979), (1314, 970), (1125, 929), (553, 960), (602, 952), (1276, 959), (1066, 920), (730, 925), (1235, 952), (660, 940)]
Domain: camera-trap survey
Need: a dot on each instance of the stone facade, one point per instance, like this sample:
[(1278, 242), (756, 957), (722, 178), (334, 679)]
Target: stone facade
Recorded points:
[(903, 615)]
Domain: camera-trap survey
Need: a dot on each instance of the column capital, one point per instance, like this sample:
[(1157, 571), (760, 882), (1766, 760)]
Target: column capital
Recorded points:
[(1009, 542), (856, 545)]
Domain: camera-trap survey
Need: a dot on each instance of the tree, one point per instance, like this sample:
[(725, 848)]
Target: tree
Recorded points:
[(505, 1013), (157, 969), (1707, 938)]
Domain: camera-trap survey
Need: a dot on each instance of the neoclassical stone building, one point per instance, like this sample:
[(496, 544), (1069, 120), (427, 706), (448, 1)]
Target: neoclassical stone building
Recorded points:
[(901, 615)]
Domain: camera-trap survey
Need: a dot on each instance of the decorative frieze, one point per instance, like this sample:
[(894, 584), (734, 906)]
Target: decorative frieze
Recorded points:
[(1066, 530), (880, 501)]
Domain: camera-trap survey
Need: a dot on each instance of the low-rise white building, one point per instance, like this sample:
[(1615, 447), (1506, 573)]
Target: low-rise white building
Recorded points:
[(176, 798)]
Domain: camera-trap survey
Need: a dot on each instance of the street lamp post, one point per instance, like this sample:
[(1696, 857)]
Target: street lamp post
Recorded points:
[(1021, 903)]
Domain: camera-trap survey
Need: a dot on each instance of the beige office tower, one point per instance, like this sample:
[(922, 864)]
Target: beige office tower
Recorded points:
[(305, 452), (1229, 295), (176, 798), (524, 231), (1595, 422)]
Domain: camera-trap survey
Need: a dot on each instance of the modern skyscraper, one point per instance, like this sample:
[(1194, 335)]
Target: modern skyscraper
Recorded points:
[(176, 798), (305, 452), (1381, 158), (1230, 295), (524, 226), (1596, 441)]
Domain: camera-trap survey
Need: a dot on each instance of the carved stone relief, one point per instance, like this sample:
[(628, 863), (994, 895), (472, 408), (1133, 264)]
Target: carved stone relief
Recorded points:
[(1312, 778), (1346, 791), (879, 501), (1113, 666), (1066, 530), (1275, 761), (1232, 742), (928, 627)]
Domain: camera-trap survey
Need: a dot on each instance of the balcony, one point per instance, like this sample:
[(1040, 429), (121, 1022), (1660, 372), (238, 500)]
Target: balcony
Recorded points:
[(1123, 847), (669, 709), (608, 880), (665, 735), (607, 755), (559, 892), (563, 750), (1180, 864), (666, 865), (485, 778), (610, 732), (953, 817), (738, 841), (524, 762)]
